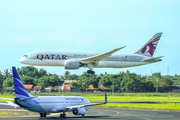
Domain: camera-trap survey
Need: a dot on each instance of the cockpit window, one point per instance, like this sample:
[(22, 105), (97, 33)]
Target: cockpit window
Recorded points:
[(25, 56)]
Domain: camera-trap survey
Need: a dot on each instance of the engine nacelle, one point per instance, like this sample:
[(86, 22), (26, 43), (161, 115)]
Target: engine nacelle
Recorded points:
[(79, 111), (72, 64)]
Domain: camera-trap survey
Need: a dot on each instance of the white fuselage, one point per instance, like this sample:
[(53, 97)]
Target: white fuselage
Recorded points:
[(58, 59), (53, 104)]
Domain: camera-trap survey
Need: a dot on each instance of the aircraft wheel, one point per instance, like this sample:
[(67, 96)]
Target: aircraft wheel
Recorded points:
[(62, 115), (92, 72), (88, 71), (44, 115), (41, 115), (83, 115)]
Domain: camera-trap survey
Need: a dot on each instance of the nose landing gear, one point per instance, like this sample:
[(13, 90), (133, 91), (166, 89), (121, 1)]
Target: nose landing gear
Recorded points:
[(42, 114), (63, 115)]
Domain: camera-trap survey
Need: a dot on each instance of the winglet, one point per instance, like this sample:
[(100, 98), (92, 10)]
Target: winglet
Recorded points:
[(105, 98)]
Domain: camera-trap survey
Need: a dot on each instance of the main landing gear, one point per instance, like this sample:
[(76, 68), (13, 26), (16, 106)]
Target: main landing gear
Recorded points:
[(42, 114), (90, 71), (62, 115), (90, 66)]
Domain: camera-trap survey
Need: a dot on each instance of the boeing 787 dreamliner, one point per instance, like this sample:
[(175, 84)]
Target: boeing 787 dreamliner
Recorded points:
[(71, 61)]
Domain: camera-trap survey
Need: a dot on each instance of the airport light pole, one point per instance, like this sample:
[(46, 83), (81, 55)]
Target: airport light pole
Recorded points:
[(157, 85), (113, 88), (86, 84)]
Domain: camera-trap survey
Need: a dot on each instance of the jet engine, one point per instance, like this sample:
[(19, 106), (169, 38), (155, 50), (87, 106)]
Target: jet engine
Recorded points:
[(79, 111), (72, 64)]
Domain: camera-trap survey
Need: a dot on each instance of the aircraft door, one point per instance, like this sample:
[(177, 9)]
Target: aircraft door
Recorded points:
[(130, 58)]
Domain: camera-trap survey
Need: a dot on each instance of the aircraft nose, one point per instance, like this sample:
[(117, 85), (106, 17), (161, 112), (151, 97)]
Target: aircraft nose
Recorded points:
[(23, 61)]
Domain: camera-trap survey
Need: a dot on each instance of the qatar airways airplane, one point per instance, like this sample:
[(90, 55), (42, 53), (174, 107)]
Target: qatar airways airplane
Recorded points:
[(142, 56), (47, 105)]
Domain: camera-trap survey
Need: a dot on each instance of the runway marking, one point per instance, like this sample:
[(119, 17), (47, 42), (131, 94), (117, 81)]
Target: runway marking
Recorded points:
[(136, 116)]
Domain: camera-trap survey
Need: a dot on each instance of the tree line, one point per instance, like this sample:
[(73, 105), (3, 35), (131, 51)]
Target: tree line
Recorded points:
[(120, 82)]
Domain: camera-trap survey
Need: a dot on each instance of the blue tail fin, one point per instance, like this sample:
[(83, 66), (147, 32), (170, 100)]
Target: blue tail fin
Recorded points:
[(18, 85)]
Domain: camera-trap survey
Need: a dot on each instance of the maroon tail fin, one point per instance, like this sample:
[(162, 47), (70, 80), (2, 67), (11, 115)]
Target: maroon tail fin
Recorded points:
[(149, 47)]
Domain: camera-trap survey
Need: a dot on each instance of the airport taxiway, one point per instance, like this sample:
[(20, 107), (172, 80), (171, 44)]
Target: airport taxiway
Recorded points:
[(99, 113)]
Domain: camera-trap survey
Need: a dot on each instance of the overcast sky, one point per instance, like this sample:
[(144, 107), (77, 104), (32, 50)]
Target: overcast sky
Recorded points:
[(89, 26)]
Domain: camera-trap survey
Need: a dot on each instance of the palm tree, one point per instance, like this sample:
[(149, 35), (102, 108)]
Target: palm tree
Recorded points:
[(6, 73), (1, 80)]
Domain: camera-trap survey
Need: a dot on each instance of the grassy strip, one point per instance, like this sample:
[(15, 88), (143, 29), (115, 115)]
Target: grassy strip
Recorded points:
[(5, 114), (168, 98), (7, 95), (109, 94), (133, 98), (149, 106)]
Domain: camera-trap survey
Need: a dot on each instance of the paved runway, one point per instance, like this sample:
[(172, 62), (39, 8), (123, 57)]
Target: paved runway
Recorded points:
[(104, 113)]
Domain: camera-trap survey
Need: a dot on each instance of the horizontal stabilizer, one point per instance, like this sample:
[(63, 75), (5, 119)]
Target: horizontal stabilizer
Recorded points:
[(154, 59)]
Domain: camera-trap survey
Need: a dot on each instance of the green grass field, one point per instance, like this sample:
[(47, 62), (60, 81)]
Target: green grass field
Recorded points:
[(5, 114), (168, 99)]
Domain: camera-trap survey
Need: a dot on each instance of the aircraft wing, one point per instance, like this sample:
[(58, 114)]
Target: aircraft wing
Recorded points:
[(81, 106), (69, 108), (99, 57), (154, 59)]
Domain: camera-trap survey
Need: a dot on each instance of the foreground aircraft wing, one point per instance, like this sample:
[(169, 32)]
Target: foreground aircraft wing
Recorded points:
[(154, 59), (81, 106), (100, 57), (70, 108)]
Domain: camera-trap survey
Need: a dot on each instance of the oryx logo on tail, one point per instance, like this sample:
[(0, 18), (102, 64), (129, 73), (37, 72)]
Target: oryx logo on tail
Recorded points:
[(149, 47)]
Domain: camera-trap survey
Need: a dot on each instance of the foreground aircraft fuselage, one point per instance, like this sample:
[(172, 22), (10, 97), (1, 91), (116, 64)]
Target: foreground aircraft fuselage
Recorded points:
[(106, 60), (56, 104)]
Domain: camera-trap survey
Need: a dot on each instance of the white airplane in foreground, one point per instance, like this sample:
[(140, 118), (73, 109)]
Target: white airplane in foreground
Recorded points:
[(106, 60), (47, 105)]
